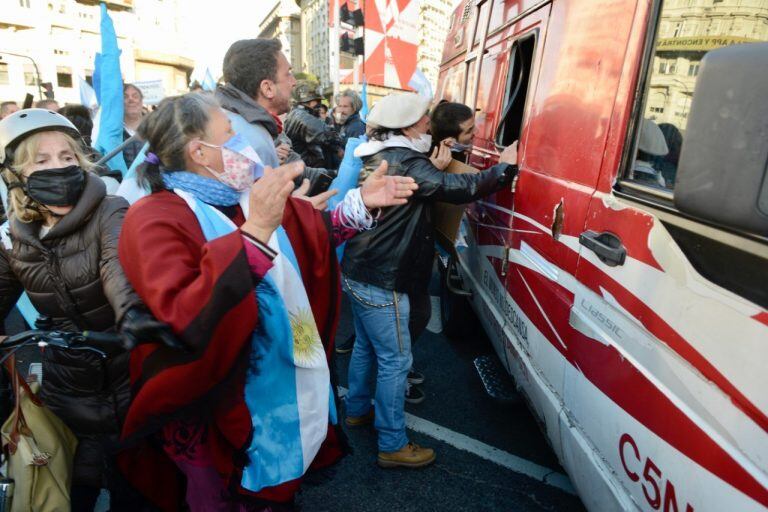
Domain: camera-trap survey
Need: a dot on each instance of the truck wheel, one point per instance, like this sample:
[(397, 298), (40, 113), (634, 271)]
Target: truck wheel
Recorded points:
[(456, 314)]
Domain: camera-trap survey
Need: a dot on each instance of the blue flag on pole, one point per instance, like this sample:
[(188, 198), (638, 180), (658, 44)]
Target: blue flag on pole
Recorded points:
[(209, 84), (110, 93), (364, 94)]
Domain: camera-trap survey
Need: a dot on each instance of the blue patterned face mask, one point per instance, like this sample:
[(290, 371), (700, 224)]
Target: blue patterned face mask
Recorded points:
[(241, 163), (460, 148)]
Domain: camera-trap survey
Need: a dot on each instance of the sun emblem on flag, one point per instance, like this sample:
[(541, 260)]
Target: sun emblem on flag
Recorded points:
[(307, 347)]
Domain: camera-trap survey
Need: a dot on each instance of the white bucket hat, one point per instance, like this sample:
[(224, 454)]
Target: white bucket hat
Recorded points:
[(398, 110)]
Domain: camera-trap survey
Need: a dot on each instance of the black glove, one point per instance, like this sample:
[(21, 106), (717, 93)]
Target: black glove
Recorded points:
[(139, 326)]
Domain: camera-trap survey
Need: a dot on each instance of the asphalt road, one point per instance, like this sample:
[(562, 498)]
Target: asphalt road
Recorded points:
[(461, 478)]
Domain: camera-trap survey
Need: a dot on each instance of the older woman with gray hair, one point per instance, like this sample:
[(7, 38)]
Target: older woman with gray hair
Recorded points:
[(347, 115), (247, 276)]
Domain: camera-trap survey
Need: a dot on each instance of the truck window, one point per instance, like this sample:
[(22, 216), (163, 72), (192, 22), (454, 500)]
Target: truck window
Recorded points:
[(453, 84), (686, 31), (516, 91)]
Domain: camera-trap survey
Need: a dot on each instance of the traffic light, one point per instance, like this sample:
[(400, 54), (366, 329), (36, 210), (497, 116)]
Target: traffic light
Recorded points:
[(354, 46), (354, 18)]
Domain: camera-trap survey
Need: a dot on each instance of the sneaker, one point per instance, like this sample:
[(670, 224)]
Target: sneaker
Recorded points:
[(360, 421), (415, 377), (346, 346), (414, 395), (409, 456)]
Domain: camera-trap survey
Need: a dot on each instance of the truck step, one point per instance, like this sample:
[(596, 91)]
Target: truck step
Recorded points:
[(496, 381)]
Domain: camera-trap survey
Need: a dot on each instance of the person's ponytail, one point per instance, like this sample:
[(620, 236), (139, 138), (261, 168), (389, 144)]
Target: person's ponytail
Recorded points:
[(168, 129)]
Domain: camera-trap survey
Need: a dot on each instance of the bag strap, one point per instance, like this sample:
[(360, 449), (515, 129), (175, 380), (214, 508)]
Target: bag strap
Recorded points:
[(19, 424)]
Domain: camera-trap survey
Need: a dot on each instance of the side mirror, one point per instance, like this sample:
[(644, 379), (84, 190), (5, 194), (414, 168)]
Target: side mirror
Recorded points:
[(723, 170)]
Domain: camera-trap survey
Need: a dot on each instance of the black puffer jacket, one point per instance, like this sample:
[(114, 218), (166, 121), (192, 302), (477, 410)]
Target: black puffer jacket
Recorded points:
[(398, 253), (311, 137), (80, 254)]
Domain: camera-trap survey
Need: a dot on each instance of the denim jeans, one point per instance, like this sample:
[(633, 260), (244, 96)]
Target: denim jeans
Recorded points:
[(382, 337)]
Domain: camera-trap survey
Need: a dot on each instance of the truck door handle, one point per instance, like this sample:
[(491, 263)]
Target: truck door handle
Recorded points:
[(606, 245)]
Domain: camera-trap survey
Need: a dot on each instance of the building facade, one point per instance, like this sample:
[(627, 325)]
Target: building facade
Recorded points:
[(425, 28), (315, 38), (55, 41), (434, 18), (284, 22), (688, 29)]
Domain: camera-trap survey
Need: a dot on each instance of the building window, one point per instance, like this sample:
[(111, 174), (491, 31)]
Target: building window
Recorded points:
[(30, 77), (24, 3), (4, 73), (693, 69), (64, 76)]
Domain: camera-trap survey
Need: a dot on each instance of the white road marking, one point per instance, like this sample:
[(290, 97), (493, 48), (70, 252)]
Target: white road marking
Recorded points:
[(486, 451)]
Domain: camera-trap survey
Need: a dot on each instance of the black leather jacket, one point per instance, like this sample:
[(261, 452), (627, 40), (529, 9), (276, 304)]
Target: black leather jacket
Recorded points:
[(397, 254), (311, 136)]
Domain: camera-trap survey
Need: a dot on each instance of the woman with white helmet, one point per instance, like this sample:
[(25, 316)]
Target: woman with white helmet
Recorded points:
[(61, 248)]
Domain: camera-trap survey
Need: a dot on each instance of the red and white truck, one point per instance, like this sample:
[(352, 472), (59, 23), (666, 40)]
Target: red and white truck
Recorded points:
[(624, 281)]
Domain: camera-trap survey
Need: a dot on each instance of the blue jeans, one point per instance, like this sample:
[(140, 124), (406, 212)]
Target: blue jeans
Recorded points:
[(382, 337)]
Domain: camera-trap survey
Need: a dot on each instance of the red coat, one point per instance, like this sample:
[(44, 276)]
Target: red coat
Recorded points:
[(205, 292)]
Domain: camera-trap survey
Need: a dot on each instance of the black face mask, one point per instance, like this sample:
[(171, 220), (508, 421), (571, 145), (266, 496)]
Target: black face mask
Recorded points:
[(56, 187)]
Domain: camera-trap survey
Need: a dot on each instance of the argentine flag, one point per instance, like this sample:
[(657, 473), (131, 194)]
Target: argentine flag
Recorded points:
[(288, 386)]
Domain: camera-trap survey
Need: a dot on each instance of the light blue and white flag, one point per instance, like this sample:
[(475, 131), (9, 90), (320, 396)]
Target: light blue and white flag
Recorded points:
[(346, 179), (110, 83), (364, 95), (208, 83), (292, 403), (87, 95), (421, 84)]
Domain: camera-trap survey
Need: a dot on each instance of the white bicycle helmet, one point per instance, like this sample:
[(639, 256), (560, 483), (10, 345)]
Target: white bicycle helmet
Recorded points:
[(22, 124)]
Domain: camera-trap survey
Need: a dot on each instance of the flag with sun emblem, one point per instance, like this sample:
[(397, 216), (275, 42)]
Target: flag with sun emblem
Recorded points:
[(287, 388)]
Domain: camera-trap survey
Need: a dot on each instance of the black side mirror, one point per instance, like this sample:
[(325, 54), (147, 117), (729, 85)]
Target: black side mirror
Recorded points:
[(723, 170)]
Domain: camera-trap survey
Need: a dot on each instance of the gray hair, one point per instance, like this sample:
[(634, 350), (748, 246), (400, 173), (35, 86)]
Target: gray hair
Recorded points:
[(177, 120), (249, 62), (357, 102)]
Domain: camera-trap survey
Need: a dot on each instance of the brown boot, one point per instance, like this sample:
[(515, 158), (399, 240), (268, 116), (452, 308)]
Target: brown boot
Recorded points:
[(409, 456), (360, 421)]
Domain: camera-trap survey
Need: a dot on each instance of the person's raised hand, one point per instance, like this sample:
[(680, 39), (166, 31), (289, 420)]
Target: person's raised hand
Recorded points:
[(379, 190), (319, 201), (441, 156), (267, 200), (509, 155)]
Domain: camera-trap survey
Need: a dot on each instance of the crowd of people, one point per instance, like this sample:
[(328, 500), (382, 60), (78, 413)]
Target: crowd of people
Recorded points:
[(224, 280)]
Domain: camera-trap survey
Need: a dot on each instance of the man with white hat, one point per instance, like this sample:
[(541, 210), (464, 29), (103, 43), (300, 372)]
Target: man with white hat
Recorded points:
[(381, 267)]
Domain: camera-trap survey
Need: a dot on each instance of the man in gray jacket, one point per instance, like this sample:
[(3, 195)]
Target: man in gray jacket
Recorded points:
[(259, 82)]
